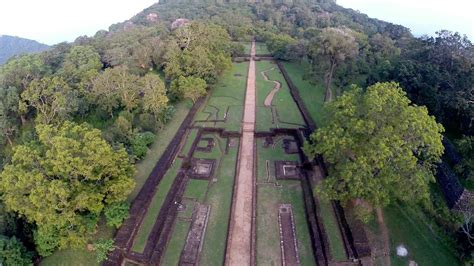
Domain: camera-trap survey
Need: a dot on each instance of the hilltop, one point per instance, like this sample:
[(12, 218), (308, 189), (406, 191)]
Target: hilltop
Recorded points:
[(11, 46)]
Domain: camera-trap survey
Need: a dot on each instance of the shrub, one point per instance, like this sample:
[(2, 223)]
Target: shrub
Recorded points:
[(116, 213), (102, 248), (140, 143)]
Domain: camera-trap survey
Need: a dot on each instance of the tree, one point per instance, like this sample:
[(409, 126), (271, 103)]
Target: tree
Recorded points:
[(81, 65), (116, 87), (155, 100), (198, 49), (63, 181), (189, 87), (13, 252), (20, 71), (51, 97), (279, 45), (378, 145), (9, 114), (337, 45)]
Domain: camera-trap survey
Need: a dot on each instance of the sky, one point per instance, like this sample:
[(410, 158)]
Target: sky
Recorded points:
[(54, 21), (421, 16)]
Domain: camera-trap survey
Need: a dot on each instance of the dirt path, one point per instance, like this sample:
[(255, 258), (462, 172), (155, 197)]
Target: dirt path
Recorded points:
[(239, 243), (386, 239), (269, 98)]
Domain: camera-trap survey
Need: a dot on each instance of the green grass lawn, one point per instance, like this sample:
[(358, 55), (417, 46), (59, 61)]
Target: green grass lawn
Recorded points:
[(226, 100), (155, 206), (336, 245), (190, 137), (410, 227), (176, 243), (285, 107), (269, 197), (312, 94)]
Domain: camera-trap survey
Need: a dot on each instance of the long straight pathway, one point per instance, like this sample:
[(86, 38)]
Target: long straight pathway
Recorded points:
[(239, 245)]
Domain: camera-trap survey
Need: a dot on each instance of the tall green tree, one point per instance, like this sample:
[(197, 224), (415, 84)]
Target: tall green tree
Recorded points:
[(20, 71), (155, 100), (116, 87), (337, 45), (379, 146), (198, 49), (189, 87), (81, 65), (52, 99), (63, 181)]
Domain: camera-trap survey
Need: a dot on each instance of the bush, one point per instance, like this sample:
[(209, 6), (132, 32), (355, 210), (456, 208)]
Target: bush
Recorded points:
[(140, 143), (116, 213), (102, 248), (363, 213), (147, 122), (13, 252)]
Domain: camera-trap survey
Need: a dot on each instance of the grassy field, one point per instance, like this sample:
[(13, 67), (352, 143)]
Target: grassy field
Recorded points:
[(226, 100), (269, 197), (411, 228), (312, 94), (218, 195), (155, 206), (285, 111), (336, 245)]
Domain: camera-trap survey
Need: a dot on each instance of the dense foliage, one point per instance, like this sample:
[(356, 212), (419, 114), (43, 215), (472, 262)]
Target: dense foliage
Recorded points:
[(63, 181), (378, 145)]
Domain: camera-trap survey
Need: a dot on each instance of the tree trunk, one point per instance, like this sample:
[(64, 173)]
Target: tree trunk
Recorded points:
[(328, 78), (9, 139), (23, 120)]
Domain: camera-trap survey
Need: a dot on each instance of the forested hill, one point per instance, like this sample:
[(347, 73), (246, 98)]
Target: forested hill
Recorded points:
[(11, 46), (296, 17)]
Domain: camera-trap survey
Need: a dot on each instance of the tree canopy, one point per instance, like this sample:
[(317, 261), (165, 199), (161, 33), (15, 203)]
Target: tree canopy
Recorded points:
[(63, 181), (379, 146)]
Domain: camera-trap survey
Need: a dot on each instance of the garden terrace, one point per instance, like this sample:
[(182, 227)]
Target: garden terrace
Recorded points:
[(216, 192), (224, 106), (271, 193), (283, 111)]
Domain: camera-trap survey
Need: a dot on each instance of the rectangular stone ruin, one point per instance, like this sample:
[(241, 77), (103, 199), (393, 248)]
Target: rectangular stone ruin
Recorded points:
[(290, 146), (287, 170), (201, 168), (288, 241), (205, 145), (194, 240)]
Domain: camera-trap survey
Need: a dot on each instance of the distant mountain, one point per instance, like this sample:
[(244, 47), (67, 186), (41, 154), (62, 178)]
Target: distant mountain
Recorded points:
[(11, 46)]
